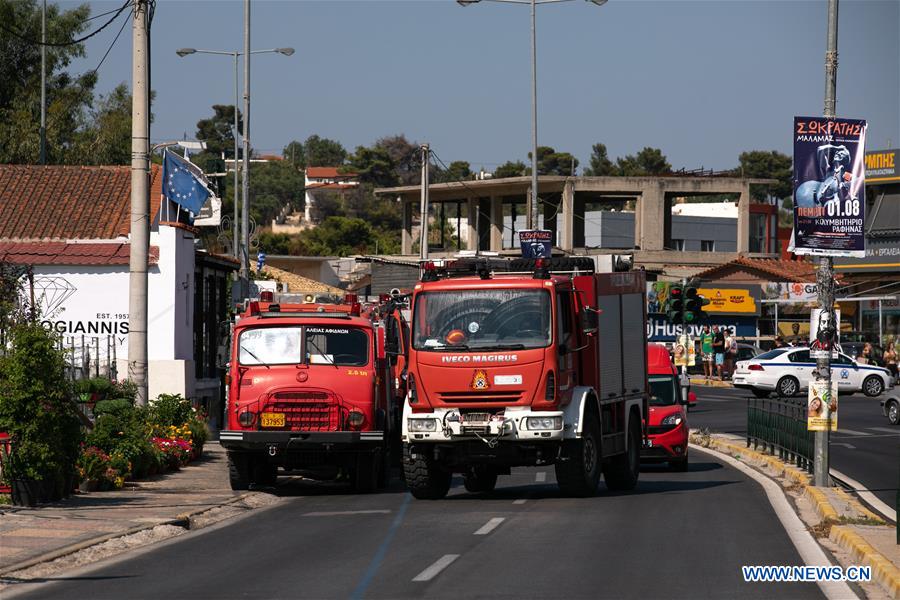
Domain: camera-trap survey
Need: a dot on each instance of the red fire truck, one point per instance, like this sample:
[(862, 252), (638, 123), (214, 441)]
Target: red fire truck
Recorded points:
[(525, 368), (311, 390)]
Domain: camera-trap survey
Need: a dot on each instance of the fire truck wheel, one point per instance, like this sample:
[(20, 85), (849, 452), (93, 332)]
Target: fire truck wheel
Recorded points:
[(621, 472), (481, 479), (365, 473), (239, 471), (580, 474), (424, 477), (265, 473)]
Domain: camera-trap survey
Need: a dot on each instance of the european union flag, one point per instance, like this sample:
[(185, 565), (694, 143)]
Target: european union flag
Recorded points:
[(184, 183)]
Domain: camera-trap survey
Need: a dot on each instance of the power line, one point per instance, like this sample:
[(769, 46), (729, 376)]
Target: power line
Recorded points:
[(70, 43)]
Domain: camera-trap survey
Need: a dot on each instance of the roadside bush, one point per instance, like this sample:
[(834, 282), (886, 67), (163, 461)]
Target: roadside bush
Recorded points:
[(123, 431), (170, 409), (38, 412)]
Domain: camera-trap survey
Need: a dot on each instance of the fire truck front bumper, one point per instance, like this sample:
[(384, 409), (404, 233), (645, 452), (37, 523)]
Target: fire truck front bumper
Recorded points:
[(287, 441), (511, 425)]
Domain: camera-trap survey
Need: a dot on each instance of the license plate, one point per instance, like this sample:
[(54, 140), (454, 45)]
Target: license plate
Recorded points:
[(648, 443), (272, 420), (476, 418)]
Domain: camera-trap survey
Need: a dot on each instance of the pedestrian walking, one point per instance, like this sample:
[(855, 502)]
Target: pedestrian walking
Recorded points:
[(719, 349), (890, 359), (706, 351), (730, 354)]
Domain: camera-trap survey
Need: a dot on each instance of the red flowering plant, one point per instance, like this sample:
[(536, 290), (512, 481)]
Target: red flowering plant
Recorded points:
[(176, 452)]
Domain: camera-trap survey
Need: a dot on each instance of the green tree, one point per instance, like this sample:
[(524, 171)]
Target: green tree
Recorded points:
[(106, 138), (373, 165), (405, 158), (511, 169), (68, 97), (767, 165), (600, 164), (315, 152), (217, 130), (458, 170), (647, 162), (551, 162)]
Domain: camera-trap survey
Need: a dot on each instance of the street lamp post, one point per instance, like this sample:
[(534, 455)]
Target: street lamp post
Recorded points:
[(236, 243), (533, 212)]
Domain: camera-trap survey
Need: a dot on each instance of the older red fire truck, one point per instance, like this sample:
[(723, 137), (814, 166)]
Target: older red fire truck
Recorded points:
[(525, 368), (311, 390)]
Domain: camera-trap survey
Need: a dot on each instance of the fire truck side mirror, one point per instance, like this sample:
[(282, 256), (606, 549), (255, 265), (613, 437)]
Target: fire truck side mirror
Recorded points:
[(590, 321)]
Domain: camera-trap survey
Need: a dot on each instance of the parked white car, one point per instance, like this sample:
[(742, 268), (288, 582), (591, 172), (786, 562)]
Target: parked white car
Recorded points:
[(788, 371)]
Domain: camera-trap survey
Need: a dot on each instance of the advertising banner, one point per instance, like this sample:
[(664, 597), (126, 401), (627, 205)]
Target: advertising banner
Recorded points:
[(684, 351), (883, 166), (822, 407), (536, 243), (829, 186), (660, 330)]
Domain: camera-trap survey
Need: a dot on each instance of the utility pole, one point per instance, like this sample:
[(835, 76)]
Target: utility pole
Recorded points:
[(236, 241), (423, 205), (245, 193), (140, 204), (825, 275), (533, 221), (44, 84)]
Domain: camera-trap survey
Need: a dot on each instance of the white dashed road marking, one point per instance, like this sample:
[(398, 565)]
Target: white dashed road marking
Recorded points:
[(852, 432), (895, 430), (438, 566), (490, 526), (520, 501)]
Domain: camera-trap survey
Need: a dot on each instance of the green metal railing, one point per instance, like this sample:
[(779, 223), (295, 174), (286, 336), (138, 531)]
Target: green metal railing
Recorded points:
[(778, 427)]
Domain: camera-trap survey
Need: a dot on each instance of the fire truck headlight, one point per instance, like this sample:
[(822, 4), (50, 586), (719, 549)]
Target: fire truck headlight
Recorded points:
[(355, 418), (246, 418), (538, 423), (419, 425)]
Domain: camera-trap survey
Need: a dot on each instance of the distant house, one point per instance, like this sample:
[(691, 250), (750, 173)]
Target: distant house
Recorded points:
[(325, 180), (71, 225)]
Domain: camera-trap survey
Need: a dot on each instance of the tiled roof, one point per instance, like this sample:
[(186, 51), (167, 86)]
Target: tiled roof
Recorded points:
[(327, 173), (69, 202), (63, 253), (798, 271), (297, 284)]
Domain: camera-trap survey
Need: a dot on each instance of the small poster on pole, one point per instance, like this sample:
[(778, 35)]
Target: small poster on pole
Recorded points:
[(536, 243), (820, 348), (684, 351), (822, 407)]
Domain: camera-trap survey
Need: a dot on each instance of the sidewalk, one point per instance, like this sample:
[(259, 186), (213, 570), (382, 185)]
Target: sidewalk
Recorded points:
[(700, 380), (30, 535)]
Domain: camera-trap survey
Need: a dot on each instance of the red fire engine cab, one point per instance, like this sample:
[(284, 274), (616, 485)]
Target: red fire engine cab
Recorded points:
[(525, 362), (310, 390)]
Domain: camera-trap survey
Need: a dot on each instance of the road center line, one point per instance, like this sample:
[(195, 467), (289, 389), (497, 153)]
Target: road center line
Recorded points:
[(337, 513), (520, 501), (490, 526), (894, 431), (540, 477), (438, 566), (852, 431)]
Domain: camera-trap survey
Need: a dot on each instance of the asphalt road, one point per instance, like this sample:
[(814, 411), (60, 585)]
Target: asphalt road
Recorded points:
[(865, 447), (680, 535)]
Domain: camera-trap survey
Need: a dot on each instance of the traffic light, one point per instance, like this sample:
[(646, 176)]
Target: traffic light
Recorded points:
[(675, 304), (693, 305)]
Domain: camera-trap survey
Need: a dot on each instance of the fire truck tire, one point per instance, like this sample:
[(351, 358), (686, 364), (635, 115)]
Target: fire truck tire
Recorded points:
[(621, 472), (265, 473), (481, 479), (239, 471), (365, 473), (579, 475), (426, 479)]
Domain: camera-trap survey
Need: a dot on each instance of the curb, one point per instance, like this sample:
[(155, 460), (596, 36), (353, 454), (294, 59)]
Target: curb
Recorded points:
[(701, 381), (884, 571), (183, 520)]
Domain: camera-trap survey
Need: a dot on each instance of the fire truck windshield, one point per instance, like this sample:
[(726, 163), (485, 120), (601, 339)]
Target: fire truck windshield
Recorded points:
[(284, 345), (483, 319)]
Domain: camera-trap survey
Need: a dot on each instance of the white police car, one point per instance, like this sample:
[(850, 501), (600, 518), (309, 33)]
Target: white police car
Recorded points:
[(788, 371)]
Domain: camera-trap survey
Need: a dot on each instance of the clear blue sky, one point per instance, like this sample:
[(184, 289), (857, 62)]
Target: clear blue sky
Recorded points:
[(703, 81)]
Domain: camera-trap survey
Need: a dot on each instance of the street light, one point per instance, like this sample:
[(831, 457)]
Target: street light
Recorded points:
[(533, 213), (182, 52)]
